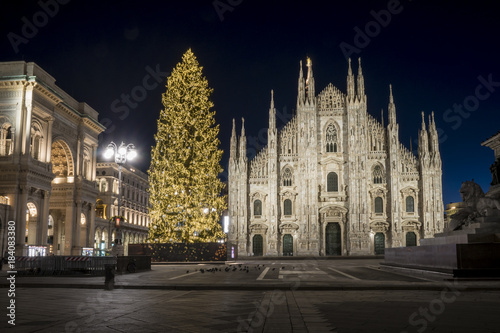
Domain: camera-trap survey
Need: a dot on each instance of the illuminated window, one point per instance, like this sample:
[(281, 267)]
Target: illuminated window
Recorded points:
[(226, 224)]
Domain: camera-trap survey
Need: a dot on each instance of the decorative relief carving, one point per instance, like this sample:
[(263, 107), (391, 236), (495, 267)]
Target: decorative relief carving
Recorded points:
[(288, 138), (331, 98)]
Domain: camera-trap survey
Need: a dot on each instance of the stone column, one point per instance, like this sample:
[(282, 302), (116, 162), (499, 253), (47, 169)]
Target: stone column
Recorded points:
[(76, 248), (27, 120), (17, 136), (20, 219), (94, 163), (91, 226), (48, 152), (43, 221), (68, 228)]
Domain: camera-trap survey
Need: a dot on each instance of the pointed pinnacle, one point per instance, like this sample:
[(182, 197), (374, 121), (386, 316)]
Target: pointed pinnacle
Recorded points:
[(423, 121), (360, 71), (242, 126), (301, 74), (349, 71), (391, 98), (272, 99)]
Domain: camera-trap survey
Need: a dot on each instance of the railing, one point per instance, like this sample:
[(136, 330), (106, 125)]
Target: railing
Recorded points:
[(56, 265)]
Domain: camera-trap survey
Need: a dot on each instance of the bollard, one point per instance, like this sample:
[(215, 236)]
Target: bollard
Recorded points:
[(109, 279)]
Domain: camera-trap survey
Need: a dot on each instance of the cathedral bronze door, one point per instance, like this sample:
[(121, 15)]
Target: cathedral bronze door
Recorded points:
[(379, 243), (258, 246), (333, 240), (287, 245), (411, 239)]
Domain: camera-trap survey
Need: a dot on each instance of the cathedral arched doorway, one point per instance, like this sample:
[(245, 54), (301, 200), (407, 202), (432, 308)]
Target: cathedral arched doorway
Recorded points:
[(411, 239), (379, 240), (333, 240), (287, 245), (258, 245)]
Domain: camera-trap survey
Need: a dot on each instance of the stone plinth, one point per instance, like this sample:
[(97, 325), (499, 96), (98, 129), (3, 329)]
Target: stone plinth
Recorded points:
[(473, 251)]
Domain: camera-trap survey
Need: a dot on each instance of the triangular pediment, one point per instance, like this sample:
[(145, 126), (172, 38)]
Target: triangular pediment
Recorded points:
[(331, 98)]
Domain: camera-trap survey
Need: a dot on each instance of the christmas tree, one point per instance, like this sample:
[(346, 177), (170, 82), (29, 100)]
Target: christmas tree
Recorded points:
[(185, 193)]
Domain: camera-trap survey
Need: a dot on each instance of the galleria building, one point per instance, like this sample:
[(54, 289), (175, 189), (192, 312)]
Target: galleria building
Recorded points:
[(53, 192), (333, 180)]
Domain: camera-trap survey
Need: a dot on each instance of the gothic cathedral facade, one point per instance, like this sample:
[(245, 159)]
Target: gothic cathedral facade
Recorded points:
[(334, 180)]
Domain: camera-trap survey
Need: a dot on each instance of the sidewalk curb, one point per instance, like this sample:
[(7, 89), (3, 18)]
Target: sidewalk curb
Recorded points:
[(432, 287)]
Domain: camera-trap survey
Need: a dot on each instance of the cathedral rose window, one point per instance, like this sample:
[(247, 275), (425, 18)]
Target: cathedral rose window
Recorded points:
[(331, 139), (378, 175), (287, 177)]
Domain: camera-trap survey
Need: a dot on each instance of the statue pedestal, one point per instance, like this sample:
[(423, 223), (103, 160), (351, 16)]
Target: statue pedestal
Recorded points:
[(473, 251), (117, 250)]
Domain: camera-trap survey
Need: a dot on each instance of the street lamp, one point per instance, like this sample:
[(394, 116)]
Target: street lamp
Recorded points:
[(121, 153)]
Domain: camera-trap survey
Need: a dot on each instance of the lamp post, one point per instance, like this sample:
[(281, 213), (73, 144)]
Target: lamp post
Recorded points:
[(121, 153)]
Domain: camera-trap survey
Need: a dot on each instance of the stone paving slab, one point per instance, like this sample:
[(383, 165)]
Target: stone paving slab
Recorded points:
[(70, 310)]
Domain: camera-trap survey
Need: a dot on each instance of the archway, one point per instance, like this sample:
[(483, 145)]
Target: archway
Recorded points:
[(411, 239), (258, 245), (31, 223), (379, 243), (333, 240), (62, 162), (287, 245)]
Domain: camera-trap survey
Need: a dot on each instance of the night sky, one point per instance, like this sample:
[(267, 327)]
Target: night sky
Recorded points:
[(436, 55)]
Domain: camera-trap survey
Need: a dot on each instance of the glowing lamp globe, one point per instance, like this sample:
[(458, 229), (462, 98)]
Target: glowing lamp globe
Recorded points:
[(109, 152), (132, 154)]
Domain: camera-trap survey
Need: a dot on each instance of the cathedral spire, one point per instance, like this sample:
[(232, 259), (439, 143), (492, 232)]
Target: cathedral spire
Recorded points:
[(272, 113), (382, 117), (243, 141), (423, 140), (310, 82), (361, 81), (433, 134), (234, 143), (350, 82), (391, 108), (301, 96), (432, 122)]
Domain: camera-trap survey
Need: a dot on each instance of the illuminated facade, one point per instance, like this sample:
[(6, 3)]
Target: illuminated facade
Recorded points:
[(334, 180), (48, 145), (134, 206)]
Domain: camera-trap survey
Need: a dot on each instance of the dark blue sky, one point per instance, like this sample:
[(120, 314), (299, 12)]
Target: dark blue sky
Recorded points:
[(436, 54)]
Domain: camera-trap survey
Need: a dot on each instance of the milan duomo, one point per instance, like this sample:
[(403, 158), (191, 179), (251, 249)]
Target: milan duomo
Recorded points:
[(333, 180)]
